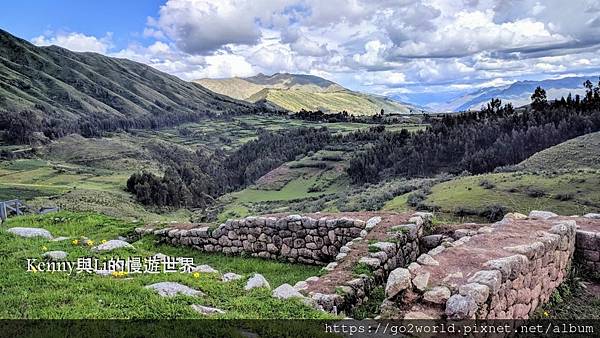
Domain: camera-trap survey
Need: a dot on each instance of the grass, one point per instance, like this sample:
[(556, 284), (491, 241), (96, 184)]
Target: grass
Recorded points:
[(576, 192), (580, 152), (75, 296)]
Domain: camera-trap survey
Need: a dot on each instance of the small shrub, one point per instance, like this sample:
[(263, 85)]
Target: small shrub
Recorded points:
[(487, 184), (535, 192), (415, 198), (494, 212), (362, 268), (567, 196), (464, 211)]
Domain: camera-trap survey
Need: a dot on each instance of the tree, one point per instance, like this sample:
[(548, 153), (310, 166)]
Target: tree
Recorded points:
[(538, 99)]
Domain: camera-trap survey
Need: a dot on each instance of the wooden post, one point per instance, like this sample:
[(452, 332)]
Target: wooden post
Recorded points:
[(2, 211)]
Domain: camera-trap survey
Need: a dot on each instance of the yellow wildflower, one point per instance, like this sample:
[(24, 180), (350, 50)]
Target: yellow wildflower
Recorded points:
[(75, 241), (196, 275), (90, 242), (44, 248), (103, 241), (546, 314)]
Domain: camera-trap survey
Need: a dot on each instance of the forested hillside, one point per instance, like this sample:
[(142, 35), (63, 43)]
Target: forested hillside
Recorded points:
[(56, 91), (479, 142)]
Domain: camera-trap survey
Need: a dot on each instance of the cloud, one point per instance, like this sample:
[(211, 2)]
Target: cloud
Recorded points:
[(77, 42)]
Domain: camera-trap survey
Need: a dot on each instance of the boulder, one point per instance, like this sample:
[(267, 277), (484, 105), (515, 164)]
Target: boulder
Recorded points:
[(437, 295), (112, 245), (536, 214), (425, 259), (490, 278), (478, 292), (286, 291), (421, 280), (398, 280), (460, 307), (30, 232), (206, 310), (204, 268), (257, 281), (170, 289), (229, 276), (592, 215), (55, 255)]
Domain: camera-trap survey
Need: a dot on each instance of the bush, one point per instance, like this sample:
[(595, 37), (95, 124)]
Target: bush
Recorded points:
[(494, 212), (567, 196), (487, 184), (535, 192), (415, 198)]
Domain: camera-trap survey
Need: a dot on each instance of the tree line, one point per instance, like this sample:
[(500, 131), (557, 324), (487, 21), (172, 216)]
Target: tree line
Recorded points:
[(479, 142)]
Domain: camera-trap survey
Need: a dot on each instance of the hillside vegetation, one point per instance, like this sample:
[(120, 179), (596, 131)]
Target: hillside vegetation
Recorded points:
[(580, 152), (297, 92), (57, 92)]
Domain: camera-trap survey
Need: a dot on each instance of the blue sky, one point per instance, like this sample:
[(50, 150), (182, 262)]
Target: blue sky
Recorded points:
[(422, 51)]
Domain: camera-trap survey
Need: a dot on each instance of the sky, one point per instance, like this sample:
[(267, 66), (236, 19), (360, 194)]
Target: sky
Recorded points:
[(420, 51)]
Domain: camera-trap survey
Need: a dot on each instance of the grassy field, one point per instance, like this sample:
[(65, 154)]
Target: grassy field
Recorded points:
[(580, 152), (26, 294), (577, 192)]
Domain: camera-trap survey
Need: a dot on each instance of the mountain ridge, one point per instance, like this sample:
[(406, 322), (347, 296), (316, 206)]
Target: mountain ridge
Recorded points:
[(296, 92), (57, 91)]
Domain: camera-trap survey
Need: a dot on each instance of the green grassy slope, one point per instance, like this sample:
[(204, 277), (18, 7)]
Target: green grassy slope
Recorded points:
[(295, 92), (56, 83), (81, 295), (580, 152)]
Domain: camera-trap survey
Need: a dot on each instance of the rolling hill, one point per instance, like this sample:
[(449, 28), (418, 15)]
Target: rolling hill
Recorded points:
[(578, 153), (295, 92), (57, 91), (518, 93)]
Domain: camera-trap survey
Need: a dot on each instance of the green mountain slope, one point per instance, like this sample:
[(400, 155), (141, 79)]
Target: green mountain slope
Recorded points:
[(580, 152), (295, 92), (62, 91)]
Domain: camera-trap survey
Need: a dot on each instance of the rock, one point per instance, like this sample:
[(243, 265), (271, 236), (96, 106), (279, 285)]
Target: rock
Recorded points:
[(345, 249), (286, 291), (206, 310), (425, 259), (536, 214), (592, 215), (30, 232), (60, 239), (170, 289), (515, 215), (398, 280), (371, 262), (460, 307), (301, 285), (372, 222), (312, 279), (340, 256), (55, 255), (431, 241), (417, 315), (490, 278), (437, 295), (436, 251), (331, 266), (257, 281), (229, 276), (204, 269), (478, 292), (421, 280), (112, 245), (414, 268)]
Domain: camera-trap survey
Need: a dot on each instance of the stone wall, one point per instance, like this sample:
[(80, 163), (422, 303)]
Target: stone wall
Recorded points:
[(382, 257), (587, 245), (509, 286), (295, 238)]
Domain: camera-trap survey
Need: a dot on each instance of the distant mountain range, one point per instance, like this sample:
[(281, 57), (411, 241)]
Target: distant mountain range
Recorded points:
[(63, 91), (518, 93), (295, 92)]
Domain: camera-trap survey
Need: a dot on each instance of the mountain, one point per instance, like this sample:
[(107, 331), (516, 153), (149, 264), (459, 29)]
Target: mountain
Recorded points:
[(295, 92), (518, 93), (57, 91)]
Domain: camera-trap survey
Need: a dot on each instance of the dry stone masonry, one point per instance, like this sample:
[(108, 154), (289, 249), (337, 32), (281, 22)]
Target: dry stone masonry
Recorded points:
[(503, 270), (295, 238), (500, 271)]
